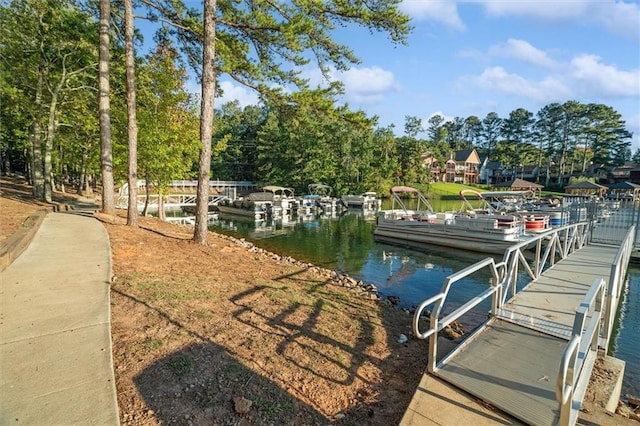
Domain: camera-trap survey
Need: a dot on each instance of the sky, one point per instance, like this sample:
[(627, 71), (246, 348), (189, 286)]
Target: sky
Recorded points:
[(474, 57)]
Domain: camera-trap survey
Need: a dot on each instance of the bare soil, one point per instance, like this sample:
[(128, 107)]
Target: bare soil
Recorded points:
[(227, 334)]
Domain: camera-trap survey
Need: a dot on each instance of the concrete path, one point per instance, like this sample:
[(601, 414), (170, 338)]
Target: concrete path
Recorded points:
[(55, 340)]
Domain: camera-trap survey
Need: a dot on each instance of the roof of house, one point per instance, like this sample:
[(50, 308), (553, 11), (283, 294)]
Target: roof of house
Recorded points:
[(624, 185), (519, 184), (585, 185), (463, 154)]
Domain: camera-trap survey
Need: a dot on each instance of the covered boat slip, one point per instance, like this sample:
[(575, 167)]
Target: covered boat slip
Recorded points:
[(513, 363)]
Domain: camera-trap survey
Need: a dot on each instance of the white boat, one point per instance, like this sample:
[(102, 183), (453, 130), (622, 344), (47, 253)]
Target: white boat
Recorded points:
[(257, 205), (284, 198), (521, 204), (481, 232), (319, 199), (367, 200)]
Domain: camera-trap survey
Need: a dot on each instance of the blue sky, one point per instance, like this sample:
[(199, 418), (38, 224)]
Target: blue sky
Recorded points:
[(474, 57)]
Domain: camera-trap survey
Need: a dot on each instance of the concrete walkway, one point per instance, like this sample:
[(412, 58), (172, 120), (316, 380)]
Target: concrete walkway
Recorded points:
[(55, 340)]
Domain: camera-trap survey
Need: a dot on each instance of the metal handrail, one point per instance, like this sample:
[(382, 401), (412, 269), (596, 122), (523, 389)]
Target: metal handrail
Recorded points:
[(580, 353), (560, 241), (435, 323), (616, 283)]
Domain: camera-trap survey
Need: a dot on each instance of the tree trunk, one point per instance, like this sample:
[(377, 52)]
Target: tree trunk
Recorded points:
[(132, 125), (83, 172), (106, 154), (37, 171), (161, 214), (48, 147), (147, 194), (206, 122)]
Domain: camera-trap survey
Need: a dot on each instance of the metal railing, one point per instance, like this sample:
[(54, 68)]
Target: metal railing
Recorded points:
[(592, 328), (437, 324), (580, 354), (168, 201), (616, 282), (549, 247), (593, 321)]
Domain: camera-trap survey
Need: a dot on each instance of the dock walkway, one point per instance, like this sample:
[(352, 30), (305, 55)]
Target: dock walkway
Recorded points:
[(514, 362)]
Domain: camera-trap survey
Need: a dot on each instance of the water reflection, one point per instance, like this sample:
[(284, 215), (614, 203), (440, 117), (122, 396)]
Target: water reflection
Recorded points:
[(346, 243)]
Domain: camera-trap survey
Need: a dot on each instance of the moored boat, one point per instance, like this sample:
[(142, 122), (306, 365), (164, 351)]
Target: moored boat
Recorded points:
[(475, 231), (283, 198), (319, 199), (258, 205), (366, 200)]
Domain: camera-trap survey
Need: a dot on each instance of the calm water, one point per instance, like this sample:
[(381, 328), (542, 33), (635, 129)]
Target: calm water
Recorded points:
[(346, 243)]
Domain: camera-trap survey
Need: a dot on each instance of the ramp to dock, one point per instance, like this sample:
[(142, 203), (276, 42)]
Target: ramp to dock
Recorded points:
[(513, 363)]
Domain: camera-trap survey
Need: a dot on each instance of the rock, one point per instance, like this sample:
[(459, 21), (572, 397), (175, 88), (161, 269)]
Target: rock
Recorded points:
[(241, 405), (623, 410), (403, 339), (393, 299)]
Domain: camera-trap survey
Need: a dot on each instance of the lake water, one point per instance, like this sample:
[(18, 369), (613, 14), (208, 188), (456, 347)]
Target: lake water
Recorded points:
[(346, 244)]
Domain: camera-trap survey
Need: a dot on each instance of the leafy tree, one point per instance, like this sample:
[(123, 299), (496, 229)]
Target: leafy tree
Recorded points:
[(49, 49), (168, 134), (491, 131), (412, 126), (472, 130), (248, 41), (516, 130)]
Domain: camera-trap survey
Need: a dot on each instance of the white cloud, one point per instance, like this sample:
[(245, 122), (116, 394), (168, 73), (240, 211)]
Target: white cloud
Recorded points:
[(361, 85), (367, 85), (233, 92), (555, 11), (524, 51), (498, 80), (604, 80), (619, 17), (442, 11)]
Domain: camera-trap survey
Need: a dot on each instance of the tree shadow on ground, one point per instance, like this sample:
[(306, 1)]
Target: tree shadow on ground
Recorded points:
[(277, 350)]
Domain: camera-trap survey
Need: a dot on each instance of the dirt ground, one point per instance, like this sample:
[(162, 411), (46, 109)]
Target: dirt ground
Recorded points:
[(227, 334)]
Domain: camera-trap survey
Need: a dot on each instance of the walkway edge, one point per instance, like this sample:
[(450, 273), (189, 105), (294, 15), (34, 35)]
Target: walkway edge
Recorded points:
[(17, 242)]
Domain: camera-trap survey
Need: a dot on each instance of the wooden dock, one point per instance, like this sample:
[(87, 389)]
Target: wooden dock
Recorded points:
[(513, 363)]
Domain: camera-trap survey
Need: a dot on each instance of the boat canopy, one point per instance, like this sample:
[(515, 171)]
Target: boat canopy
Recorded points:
[(260, 196), (279, 190), (318, 188), (422, 205), (397, 189)]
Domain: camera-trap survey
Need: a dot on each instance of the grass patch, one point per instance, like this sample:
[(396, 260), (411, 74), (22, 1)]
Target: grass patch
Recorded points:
[(152, 344), (179, 365)]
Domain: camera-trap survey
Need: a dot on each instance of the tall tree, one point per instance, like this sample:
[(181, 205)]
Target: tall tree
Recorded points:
[(48, 47), (265, 45), (547, 129), (491, 131), (412, 126), (517, 130), (106, 156), (572, 113), (132, 123), (206, 121)]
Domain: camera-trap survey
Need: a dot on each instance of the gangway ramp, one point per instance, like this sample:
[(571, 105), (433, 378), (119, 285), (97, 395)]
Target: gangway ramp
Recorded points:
[(531, 357)]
